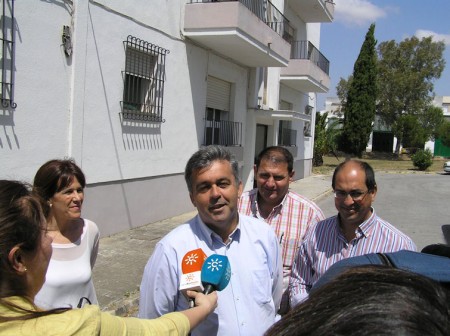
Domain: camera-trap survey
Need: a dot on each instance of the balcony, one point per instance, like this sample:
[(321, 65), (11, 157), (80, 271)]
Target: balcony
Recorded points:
[(222, 132), (289, 115), (313, 10), (253, 33), (225, 133), (308, 69)]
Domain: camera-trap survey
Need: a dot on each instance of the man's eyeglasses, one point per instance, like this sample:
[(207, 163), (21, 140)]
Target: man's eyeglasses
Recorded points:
[(356, 195)]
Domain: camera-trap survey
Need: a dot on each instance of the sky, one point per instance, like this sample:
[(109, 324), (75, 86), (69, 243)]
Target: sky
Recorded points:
[(341, 40)]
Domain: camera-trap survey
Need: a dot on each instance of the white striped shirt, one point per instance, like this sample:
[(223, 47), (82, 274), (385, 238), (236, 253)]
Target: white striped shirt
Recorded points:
[(324, 244)]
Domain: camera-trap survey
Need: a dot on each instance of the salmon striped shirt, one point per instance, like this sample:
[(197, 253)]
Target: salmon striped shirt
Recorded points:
[(324, 244), (289, 220)]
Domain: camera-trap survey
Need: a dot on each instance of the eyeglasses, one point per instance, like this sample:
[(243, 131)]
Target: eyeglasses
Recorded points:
[(356, 195)]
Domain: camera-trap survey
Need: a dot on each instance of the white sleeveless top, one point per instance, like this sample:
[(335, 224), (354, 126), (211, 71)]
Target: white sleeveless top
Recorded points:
[(69, 274)]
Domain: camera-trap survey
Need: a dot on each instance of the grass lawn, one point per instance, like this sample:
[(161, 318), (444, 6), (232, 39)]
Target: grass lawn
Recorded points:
[(380, 163)]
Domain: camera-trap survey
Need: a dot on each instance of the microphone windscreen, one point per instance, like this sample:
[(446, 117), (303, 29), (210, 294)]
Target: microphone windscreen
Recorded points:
[(216, 272)]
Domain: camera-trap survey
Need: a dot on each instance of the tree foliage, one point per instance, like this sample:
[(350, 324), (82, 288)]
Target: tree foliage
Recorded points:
[(406, 72), (360, 105), (444, 133), (320, 144), (325, 138), (341, 91)]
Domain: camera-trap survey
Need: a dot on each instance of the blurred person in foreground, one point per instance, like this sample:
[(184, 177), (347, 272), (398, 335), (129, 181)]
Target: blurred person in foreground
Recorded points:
[(354, 231), (287, 212), (249, 303), (371, 300), (25, 251)]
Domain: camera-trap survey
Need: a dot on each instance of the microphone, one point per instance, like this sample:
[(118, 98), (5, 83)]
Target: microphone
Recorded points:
[(216, 273), (191, 266)]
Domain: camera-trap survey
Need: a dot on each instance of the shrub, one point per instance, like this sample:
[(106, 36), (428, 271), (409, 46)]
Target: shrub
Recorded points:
[(422, 159)]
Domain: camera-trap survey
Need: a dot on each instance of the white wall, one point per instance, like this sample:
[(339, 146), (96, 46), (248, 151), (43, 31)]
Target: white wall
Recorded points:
[(38, 128), (69, 106)]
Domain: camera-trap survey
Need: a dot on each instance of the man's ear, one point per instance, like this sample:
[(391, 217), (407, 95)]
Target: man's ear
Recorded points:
[(291, 176), (191, 196), (15, 258), (240, 189)]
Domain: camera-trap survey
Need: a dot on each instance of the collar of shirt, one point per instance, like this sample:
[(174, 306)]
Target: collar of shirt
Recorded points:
[(278, 209), (210, 234), (364, 229)]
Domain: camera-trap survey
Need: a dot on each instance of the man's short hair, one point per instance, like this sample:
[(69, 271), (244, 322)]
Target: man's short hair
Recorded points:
[(205, 157), (276, 154), (368, 170)]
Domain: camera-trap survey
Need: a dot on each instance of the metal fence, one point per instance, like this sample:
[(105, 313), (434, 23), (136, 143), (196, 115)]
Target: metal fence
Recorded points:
[(222, 132), (307, 50)]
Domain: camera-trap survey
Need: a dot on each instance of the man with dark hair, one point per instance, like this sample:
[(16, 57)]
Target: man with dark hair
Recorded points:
[(287, 212), (251, 246), (356, 230)]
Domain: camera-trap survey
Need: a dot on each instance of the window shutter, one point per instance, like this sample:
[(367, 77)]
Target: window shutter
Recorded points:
[(218, 94)]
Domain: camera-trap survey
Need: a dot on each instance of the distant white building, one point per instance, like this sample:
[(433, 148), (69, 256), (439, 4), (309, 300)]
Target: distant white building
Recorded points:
[(435, 146), (381, 138), (131, 89)]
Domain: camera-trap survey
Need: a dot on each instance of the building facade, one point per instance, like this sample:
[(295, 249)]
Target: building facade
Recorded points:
[(130, 89)]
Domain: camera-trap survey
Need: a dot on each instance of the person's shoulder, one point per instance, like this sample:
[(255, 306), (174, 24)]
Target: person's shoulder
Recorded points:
[(296, 197), (254, 224), (249, 193), (317, 228), (181, 232), (90, 224), (393, 230), (250, 220)]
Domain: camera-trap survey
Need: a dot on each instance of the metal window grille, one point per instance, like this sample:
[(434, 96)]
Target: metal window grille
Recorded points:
[(7, 60), (221, 132), (143, 77)]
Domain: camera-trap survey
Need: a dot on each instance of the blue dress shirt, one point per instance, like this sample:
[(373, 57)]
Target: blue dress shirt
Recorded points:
[(248, 305)]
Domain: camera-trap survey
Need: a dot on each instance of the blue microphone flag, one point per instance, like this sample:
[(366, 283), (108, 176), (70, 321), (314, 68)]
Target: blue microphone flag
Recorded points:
[(216, 272)]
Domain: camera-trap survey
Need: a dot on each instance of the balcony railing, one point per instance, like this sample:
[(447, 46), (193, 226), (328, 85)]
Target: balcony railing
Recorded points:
[(287, 137), (222, 132), (307, 50), (267, 13)]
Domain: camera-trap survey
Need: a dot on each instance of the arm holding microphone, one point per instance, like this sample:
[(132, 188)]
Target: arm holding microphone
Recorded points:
[(204, 305)]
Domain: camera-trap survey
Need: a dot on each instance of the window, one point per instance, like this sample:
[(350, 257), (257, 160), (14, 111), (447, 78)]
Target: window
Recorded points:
[(212, 132), (7, 58), (286, 135), (144, 76)]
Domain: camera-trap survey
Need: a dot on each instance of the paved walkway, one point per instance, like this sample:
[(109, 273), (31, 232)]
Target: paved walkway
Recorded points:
[(123, 256)]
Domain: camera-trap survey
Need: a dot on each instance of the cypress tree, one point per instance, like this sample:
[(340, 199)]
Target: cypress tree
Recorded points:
[(361, 100)]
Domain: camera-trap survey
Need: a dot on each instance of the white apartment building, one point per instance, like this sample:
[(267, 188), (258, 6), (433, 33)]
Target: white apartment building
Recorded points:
[(131, 89)]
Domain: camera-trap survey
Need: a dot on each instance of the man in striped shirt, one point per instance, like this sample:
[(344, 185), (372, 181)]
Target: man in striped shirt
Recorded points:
[(356, 230), (287, 212)]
